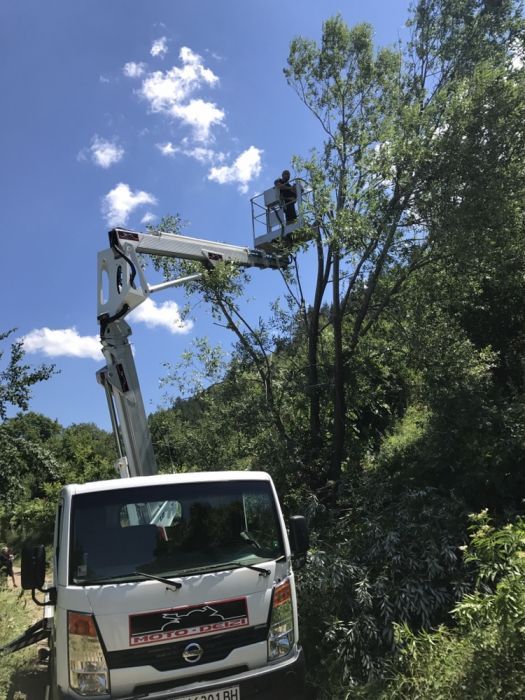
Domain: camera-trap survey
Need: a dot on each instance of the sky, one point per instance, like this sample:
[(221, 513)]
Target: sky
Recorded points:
[(120, 112)]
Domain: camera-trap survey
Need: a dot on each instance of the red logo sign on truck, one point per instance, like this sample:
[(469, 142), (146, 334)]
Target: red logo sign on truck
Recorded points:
[(188, 621)]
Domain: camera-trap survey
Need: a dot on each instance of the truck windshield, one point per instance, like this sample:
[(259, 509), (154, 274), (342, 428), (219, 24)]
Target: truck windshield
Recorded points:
[(171, 529)]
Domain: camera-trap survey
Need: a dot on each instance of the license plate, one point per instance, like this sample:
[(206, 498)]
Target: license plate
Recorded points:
[(232, 693)]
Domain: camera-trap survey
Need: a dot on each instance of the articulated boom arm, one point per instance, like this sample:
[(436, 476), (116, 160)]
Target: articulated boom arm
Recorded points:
[(122, 286)]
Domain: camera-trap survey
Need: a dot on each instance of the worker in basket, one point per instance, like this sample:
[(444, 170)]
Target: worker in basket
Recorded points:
[(288, 193)]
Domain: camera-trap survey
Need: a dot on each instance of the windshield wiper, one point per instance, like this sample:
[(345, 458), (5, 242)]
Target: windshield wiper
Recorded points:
[(171, 584), (238, 565), (110, 579), (224, 567)]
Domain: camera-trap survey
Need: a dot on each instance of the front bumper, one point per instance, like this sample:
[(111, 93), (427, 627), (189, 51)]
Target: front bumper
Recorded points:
[(280, 681)]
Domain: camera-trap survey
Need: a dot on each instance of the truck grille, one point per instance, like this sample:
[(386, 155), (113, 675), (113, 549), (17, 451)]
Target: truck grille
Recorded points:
[(167, 657)]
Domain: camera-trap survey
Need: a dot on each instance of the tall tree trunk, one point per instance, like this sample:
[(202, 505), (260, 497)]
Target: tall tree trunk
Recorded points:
[(313, 383), (312, 318), (339, 405)]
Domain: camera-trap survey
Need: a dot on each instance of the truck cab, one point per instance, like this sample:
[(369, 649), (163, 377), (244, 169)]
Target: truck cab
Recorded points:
[(175, 586)]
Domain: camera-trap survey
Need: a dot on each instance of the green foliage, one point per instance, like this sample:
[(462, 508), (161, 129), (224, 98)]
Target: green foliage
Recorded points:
[(390, 557), (482, 657), (37, 457), (33, 520), (464, 379), (20, 456), (198, 367), (33, 426), (214, 429), (17, 378), (403, 445), (25, 466), (86, 452)]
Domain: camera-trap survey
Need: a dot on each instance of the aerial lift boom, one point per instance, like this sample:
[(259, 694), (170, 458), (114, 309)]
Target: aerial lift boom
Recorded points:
[(122, 286)]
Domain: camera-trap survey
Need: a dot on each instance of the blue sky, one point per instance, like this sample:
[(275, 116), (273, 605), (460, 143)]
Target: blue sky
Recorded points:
[(118, 112)]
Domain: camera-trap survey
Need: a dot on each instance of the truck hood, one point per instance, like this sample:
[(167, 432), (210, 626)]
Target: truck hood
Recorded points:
[(148, 612)]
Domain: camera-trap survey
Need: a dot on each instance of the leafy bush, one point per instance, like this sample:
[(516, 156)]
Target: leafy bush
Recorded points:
[(484, 655), (390, 558), (34, 520)]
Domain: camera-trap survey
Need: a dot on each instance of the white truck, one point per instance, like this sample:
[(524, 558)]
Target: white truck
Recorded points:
[(174, 586)]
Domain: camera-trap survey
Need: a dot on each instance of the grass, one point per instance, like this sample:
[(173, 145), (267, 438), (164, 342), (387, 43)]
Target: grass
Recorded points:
[(19, 669)]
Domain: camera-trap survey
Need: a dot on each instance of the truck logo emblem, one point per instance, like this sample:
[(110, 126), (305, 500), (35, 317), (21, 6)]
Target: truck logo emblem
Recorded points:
[(192, 653), (176, 618)]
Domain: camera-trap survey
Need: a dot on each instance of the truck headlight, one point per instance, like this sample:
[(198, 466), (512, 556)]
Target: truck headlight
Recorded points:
[(88, 671), (281, 635)]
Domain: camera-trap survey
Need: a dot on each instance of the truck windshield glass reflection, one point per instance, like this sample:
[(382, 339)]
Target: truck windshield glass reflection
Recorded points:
[(171, 530)]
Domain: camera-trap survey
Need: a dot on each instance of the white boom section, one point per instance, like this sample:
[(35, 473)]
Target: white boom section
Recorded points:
[(122, 286)]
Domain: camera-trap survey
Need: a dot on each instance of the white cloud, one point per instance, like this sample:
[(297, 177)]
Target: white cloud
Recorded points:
[(246, 167), (167, 149), (163, 89), (170, 92), (200, 116), (120, 202), (134, 70), (148, 218), (205, 155), (165, 315), (64, 342), (105, 153), (159, 47)]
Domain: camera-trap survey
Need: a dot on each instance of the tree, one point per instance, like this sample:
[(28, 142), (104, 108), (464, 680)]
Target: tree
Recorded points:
[(382, 194), (18, 454), (403, 369), (34, 426), (38, 457), (415, 145), (16, 379)]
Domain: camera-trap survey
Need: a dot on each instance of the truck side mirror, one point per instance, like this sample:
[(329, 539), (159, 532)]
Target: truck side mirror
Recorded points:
[(299, 535), (33, 567)]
